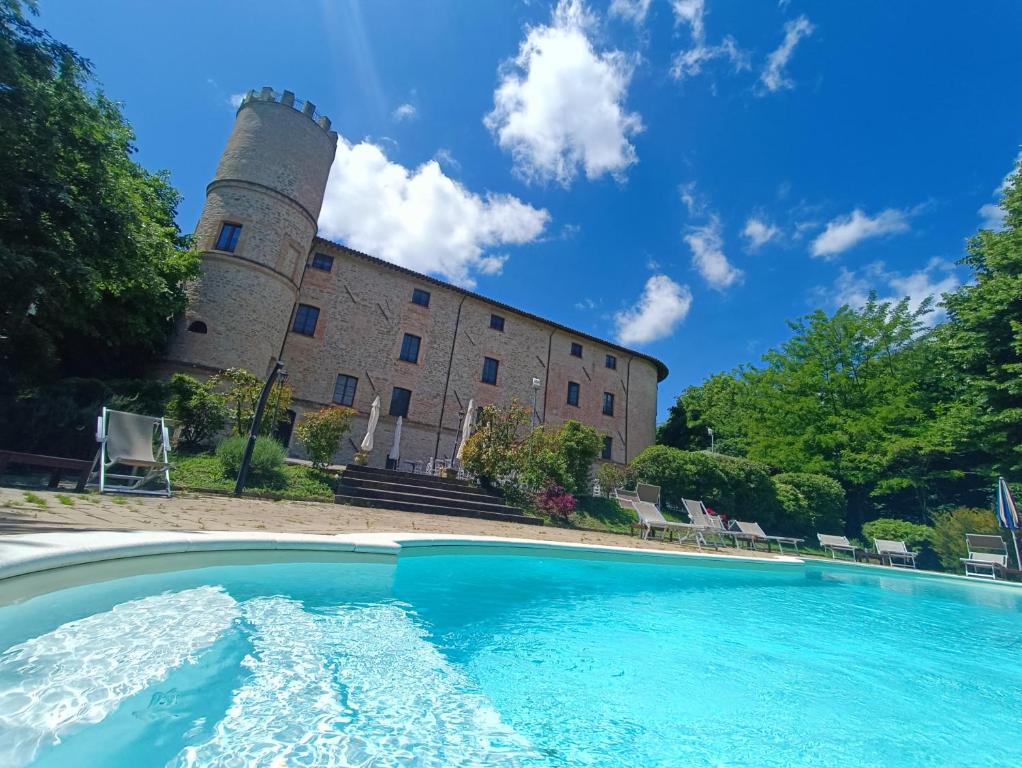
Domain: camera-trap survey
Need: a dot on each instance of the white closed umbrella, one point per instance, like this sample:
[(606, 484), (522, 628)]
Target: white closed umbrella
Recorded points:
[(395, 450), (466, 427), (374, 419)]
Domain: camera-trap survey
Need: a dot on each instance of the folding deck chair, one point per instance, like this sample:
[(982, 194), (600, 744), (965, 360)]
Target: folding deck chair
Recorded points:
[(988, 556), (895, 551), (756, 532), (127, 440), (835, 544)]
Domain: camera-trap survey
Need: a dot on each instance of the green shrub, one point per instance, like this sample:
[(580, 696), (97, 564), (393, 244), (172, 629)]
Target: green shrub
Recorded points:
[(795, 515), (196, 409), (541, 462), (242, 391), (493, 451), (913, 534), (611, 476), (739, 488), (825, 505), (267, 458), (321, 432), (579, 445), (949, 529)]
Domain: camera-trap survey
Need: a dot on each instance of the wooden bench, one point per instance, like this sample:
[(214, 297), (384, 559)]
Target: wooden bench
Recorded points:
[(57, 465)]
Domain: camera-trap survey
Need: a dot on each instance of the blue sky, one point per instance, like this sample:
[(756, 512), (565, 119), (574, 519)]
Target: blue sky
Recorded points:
[(683, 176)]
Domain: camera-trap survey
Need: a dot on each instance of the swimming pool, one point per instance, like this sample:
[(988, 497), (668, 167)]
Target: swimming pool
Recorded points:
[(477, 656)]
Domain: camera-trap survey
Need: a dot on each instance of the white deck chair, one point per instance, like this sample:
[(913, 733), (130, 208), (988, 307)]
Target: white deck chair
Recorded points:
[(895, 551), (988, 555), (837, 544), (127, 440), (711, 524), (650, 517), (757, 533)]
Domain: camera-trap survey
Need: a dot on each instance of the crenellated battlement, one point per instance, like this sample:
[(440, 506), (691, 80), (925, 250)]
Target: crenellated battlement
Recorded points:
[(288, 99)]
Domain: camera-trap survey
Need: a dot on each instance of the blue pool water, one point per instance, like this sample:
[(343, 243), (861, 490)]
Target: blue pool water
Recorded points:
[(481, 659)]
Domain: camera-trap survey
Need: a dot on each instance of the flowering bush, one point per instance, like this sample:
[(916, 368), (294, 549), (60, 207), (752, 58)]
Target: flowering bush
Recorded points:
[(555, 501)]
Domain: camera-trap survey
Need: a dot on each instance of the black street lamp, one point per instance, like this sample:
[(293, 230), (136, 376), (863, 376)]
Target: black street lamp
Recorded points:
[(257, 423)]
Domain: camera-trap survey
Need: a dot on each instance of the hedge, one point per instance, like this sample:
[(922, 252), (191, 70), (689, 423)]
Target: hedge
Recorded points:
[(822, 506)]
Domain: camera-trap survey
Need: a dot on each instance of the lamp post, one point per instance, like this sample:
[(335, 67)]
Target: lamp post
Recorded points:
[(536, 383), (710, 431), (257, 423)]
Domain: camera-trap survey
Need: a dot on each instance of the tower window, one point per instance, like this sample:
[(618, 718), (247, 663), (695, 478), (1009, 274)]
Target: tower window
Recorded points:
[(497, 322), (576, 350), (322, 261), (410, 348), (573, 393), (490, 367), (344, 389), (399, 402), (228, 239), (420, 297), (608, 404), (608, 448), (305, 320), (611, 362), (197, 326)]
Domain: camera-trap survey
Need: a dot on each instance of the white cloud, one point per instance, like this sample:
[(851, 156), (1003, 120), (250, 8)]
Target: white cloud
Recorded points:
[(773, 77), (444, 157), (688, 63), (846, 231), (708, 255), (630, 10), (992, 216), (559, 106), (759, 232), (661, 307), (235, 99), (421, 218), (933, 280), (694, 202), (404, 112)]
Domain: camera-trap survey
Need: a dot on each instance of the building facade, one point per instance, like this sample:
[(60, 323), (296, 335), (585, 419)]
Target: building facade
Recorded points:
[(350, 327)]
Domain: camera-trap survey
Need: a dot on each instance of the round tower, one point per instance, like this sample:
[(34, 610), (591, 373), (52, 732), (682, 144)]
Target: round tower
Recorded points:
[(255, 233)]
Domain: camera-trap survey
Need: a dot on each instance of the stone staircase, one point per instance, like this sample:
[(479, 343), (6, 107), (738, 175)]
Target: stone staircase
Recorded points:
[(390, 489)]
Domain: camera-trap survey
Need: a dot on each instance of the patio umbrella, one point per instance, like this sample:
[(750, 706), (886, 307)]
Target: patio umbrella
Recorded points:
[(1007, 514), (466, 427), (374, 418), (395, 450)]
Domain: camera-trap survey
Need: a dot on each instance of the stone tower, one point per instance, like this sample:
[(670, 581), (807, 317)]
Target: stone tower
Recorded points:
[(255, 233)]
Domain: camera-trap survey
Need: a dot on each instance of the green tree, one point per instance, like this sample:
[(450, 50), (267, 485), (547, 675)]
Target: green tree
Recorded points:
[(950, 527), (493, 451), (94, 265), (984, 335), (715, 404), (196, 408), (579, 445), (322, 432), (242, 389)]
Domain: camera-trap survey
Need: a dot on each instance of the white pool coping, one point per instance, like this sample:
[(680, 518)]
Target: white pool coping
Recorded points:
[(23, 554)]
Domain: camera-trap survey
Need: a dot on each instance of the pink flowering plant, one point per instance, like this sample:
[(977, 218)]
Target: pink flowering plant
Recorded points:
[(555, 501)]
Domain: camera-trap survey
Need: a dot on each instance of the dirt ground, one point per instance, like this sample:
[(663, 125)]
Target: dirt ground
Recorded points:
[(38, 511)]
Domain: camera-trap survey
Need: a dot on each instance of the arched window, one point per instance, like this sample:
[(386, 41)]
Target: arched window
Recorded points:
[(197, 326)]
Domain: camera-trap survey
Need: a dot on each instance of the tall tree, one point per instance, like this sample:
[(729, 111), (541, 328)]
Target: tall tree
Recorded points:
[(984, 335), (716, 405), (93, 262)]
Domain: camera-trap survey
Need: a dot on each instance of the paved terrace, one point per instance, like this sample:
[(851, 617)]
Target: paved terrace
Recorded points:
[(200, 512)]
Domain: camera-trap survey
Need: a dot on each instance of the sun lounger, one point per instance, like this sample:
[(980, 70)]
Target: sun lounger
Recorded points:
[(126, 440), (895, 553), (988, 556), (757, 533), (837, 544), (652, 520), (711, 524)]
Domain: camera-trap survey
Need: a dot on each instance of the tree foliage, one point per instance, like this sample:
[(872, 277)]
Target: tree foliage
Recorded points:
[(197, 409), (322, 431), (93, 262), (579, 445)]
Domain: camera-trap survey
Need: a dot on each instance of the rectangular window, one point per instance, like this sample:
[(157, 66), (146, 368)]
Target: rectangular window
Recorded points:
[(576, 350), (344, 389), (322, 261), (399, 402), (573, 393), (420, 297), (608, 448), (490, 367), (410, 348), (305, 320), (228, 239), (612, 362), (608, 404), (497, 322)]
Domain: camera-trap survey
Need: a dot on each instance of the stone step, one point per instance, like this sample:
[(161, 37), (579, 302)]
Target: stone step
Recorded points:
[(436, 509), (434, 497), (393, 475), (389, 484)]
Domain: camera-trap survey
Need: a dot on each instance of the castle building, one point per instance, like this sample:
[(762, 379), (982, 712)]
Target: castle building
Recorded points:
[(350, 327)]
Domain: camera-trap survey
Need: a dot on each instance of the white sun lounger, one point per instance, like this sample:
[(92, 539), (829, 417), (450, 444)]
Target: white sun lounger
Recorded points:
[(757, 533), (711, 524), (126, 440), (837, 544), (895, 553), (988, 556), (650, 517)]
